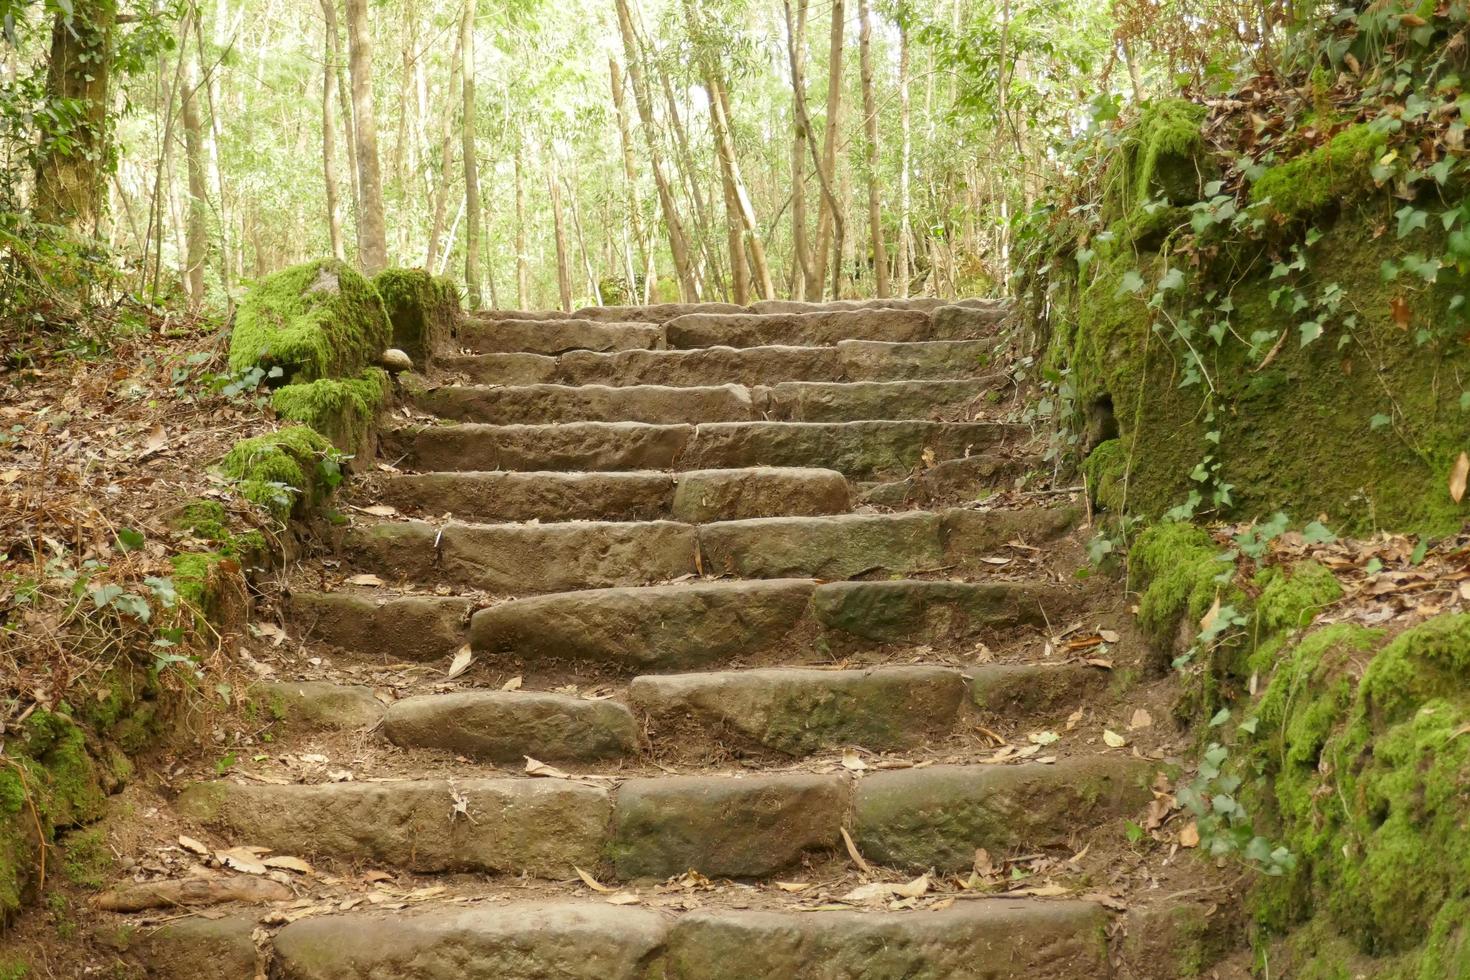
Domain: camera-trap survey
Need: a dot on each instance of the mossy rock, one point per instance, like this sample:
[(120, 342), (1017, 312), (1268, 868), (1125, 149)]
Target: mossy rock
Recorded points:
[(286, 471), (422, 308), (1164, 158), (1321, 178), (316, 320), (1106, 469), (341, 410)]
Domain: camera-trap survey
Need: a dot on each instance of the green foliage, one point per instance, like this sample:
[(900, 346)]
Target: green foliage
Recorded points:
[(284, 471), (1162, 155), (316, 320)]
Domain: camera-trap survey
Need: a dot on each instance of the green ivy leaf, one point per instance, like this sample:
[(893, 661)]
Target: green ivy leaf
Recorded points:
[(1410, 219), (1378, 421), (1311, 332), (129, 539), (1132, 283), (1317, 533)]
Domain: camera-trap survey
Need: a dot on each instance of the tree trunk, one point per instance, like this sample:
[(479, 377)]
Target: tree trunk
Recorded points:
[(523, 265), (329, 126), (720, 120), (678, 241), (446, 155), (870, 127), (828, 216), (630, 177), (803, 270), (563, 268), (905, 260), (71, 166), (710, 271), (471, 172), (592, 284), (196, 234), (372, 233)]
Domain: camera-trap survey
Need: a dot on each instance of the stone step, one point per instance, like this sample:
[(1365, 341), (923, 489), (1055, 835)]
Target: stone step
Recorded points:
[(799, 711), (556, 336), (859, 450), (802, 329), (655, 313), (697, 625), (745, 826), (694, 496), (848, 360), (987, 939), (507, 726), (924, 304), (789, 401), (530, 559)]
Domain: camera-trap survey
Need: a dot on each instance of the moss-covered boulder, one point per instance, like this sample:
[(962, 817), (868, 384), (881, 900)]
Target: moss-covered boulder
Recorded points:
[(286, 471), (316, 320), (343, 410), (422, 308)]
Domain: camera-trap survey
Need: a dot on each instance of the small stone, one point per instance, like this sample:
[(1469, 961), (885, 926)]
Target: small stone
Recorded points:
[(396, 360)]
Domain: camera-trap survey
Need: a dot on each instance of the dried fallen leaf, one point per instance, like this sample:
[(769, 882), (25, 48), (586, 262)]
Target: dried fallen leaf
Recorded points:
[(591, 882), (461, 662), (514, 684), (793, 886), (881, 891), (1189, 836), (194, 846), (1208, 619), (242, 859), (852, 761), (365, 578), (1141, 719), (285, 862), (623, 898), (1458, 475), (1108, 636), (854, 853), (1113, 739), (379, 510), (1043, 738), (537, 768), (1041, 891)]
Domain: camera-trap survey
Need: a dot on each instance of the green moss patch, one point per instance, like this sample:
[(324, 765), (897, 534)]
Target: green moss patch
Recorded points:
[(317, 320), (1320, 178), (341, 410), (422, 309), (1163, 156), (1369, 767), (282, 471)]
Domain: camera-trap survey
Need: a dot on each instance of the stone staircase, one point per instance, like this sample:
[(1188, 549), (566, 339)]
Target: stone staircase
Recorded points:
[(734, 607)]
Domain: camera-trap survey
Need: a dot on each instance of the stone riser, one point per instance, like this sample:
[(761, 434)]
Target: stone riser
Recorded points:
[(858, 450), (677, 718), (848, 360), (689, 626), (989, 939), (750, 826), (697, 330), (695, 496), (534, 559), (662, 405)]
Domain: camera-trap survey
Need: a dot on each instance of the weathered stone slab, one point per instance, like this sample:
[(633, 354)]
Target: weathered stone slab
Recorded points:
[(503, 495), (802, 329), (994, 939), (834, 547), (524, 941), (526, 559), (549, 403), (859, 450), (904, 611), (963, 322), (1028, 691), (670, 627), (571, 446), (970, 535), (701, 366), (737, 827), (797, 712), (501, 369), (923, 304), (877, 360), (532, 826), (555, 336), (806, 401), (318, 704), (701, 496), (937, 817), (653, 313), (195, 948), (506, 726), (398, 628)]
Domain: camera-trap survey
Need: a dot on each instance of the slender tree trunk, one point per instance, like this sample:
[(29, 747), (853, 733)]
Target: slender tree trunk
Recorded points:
[(630, 177), (587, 266), (689, 174), (905, 261), (471, 164), (803, 269), (870, 127), (828, 216), (70, 173), (329, 126), (745, 211), (446, 154), (523, 264), (563, 267), (372, 232), (678, 241), (197, 230)]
